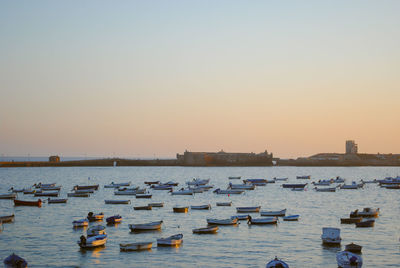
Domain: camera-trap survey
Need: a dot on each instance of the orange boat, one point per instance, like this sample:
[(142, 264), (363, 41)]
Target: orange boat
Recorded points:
[(37, 203)]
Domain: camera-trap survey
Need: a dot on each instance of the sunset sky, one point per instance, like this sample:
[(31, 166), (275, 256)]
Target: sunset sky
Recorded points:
[(154, 78)]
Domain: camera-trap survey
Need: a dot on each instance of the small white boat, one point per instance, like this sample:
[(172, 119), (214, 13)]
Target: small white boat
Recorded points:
[(174, 240), (346, 259), (224, 204), (291, 218), (116, 185), (338, 180), (233, 191), (274, 213), (116, 202), (230, 221), (331, 236), (277, 263), (96, 230), (206, 230), (80, 223), (31, 191), (198, 182), (259, 221), (136, 246), (201, 207), (182, 192), (247, 209), (124, 188), (93, 241), (41, 185), (145, 226), (8, 196)]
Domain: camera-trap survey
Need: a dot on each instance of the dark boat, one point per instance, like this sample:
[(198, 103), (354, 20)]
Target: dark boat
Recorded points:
[(294, 185), (56, 193), (368, 223), (143, 208), (143, 195), (95, 217), (114, 219), (56, 201), (353, 248), (350, 220), (180, 209), (85, 187), (37, 203), (5, 219), (151, 182), (15, 261)]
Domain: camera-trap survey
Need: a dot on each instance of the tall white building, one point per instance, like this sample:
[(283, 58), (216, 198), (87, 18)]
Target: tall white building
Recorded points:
[(351, 147)]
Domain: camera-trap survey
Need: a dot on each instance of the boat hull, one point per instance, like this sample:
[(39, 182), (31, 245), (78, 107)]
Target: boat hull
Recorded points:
[(136, 246)]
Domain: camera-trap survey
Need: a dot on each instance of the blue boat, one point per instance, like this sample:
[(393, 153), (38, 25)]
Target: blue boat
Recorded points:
[(114, 219), (275, 263), (291, 218), (15, 261)]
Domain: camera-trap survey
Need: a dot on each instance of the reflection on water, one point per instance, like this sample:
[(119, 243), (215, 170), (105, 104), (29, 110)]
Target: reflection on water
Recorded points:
[(38, 233)]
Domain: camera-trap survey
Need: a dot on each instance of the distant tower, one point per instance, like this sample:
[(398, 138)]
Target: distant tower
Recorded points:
[(351, 147)]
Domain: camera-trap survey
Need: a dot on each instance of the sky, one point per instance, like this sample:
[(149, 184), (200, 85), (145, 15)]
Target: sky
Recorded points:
[(156, 78)]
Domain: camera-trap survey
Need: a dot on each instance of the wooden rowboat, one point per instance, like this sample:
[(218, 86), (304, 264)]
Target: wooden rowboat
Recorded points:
[(350, 220), (56, 201), (368, 223), (37, 203), (95, 217), (156, 205), (143, 208), (174, 240), (8, 196), (117, 202), (93, 241), (206, 207), (151, 226), (5, 219)]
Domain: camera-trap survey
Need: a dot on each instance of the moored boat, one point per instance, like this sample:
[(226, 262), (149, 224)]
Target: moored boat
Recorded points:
[(56, 201), (331, 236), (126, 192), (37, 203), (230, 221), (84, 191), (114, 219), (116, 185), (144, 196), (354, 248), (174, 240), (182, 192), (294, 185), (367, 223), (365, 213), (347, 259), (117, 202), (80, 223), (247, 209), (260, 221), (143, 207), (180, 209), (201, 207), (51, 188), (277, 213), (325, 189), (136, 246), (291, 218), (93, 241), (206, 230), (280, 179), (52, 193), (231, 191), (198, 182), (15, 261), (224, 204), (96, 230), (235, 178), (151, 182), (242, 186), (307, 177), (7, 219), (161, 187), (241, 217), (156, 205), (95, 217), (78, 195), (277, 263), (350, 220), (145, 226), (8, 196), (83, 187)]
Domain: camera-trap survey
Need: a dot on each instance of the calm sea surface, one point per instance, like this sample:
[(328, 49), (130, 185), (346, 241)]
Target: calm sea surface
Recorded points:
[(45, 237)]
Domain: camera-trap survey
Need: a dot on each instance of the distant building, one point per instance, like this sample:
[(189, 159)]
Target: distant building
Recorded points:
[(54, 159), (351, 147), (222, 158)]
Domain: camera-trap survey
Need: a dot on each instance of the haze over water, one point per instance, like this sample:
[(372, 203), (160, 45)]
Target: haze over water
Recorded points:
[(45, 237)]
